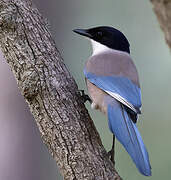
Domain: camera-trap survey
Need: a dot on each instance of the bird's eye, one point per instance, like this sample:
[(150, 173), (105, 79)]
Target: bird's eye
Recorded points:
[(99, 34)]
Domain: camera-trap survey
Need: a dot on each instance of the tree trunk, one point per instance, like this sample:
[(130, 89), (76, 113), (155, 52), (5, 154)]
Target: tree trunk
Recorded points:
[(162, 9), (52, 94)]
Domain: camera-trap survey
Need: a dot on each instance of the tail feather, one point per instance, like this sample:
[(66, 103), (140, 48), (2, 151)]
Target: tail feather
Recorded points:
[(127, 133)]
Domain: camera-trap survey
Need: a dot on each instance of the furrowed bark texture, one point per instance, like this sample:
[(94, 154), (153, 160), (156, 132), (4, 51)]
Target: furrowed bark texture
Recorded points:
[(162, 9), (52, 94)]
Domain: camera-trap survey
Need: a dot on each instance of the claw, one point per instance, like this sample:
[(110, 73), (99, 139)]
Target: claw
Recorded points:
[(85, 97), (111, 153)]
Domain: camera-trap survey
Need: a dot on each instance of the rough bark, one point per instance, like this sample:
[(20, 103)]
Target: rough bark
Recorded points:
[(162, 9), (52, 94)]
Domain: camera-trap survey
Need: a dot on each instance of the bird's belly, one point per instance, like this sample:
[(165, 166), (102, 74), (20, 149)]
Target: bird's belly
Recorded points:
[(98, 97)]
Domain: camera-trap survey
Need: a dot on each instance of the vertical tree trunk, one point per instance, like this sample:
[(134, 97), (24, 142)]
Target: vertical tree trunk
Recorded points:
[(52, 94), (162, 9)]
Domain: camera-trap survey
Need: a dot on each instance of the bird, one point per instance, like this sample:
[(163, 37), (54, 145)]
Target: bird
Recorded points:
[(114, 89)]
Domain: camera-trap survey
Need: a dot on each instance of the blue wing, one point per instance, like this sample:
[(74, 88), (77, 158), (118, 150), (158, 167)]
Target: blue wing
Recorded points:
[(121, 88)]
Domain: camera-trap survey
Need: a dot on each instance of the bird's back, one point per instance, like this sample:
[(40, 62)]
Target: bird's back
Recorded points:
[(113, 63)]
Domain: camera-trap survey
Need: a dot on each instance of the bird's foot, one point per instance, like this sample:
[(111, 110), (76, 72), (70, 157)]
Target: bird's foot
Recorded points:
[(111, 153), (85, 97)]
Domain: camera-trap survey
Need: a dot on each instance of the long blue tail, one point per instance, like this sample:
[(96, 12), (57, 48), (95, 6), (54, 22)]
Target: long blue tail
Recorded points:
[(127, 133)]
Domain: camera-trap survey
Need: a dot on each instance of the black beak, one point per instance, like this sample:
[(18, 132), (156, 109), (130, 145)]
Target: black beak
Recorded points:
[(83, 32)]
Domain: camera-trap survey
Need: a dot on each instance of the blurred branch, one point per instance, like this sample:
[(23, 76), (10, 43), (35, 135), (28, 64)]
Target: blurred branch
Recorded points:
[(162, 9), (52, 94)]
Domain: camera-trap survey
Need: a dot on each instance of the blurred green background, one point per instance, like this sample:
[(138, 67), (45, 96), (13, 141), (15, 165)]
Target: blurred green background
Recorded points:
[(135, 18)]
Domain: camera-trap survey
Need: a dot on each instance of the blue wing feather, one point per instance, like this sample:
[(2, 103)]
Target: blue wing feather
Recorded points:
[(119, 85)]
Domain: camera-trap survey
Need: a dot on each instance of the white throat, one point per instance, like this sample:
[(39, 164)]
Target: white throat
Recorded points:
[(98, 48)]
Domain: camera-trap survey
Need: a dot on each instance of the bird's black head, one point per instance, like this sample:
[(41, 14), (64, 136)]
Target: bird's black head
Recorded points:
[(107, 36)]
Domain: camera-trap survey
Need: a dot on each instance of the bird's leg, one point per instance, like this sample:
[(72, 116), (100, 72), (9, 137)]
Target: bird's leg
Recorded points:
[(111, 153), (85, 97)]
